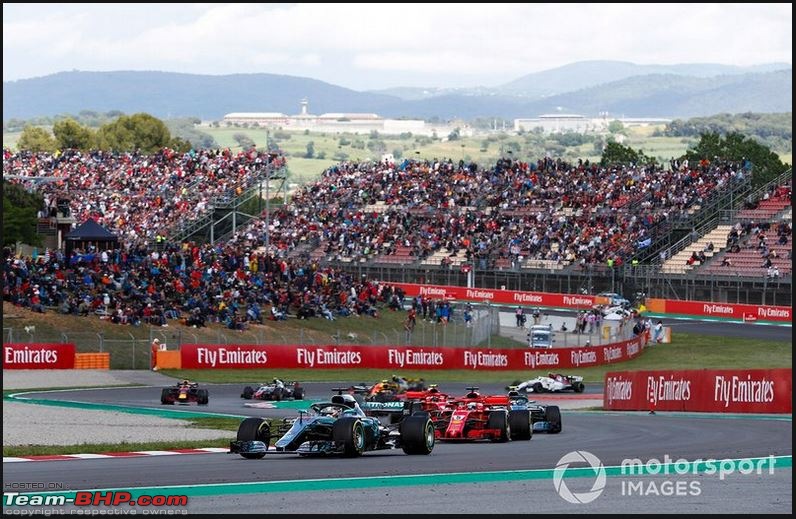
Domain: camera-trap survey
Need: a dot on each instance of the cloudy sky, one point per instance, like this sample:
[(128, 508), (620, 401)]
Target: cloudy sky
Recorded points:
[(377, 46)]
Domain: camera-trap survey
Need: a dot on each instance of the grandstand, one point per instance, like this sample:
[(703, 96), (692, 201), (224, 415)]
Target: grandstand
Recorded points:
[(549, 226)]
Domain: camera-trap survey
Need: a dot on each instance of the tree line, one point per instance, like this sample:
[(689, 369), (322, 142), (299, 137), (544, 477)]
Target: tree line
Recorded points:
[(140, 131), (774, 130)]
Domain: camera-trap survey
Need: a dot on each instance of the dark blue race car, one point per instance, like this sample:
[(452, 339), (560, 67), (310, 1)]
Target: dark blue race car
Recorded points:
[(545, 418), (338, 427)]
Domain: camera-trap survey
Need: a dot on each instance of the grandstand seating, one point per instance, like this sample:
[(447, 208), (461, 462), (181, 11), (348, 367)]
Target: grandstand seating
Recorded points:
[(767, 209)]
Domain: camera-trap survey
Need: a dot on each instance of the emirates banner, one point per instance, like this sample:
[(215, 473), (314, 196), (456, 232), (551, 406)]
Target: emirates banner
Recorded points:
[(741, 312), (508, 297), (38, 356), (268, 356), (707, 390), (747, 313)]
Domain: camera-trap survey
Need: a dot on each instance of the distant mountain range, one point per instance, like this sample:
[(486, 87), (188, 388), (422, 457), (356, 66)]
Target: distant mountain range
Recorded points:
[(587, 88)]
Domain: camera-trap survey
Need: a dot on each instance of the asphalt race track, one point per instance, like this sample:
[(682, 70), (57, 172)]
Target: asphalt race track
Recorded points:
[(482, 477), (225, 398), (612, 437)]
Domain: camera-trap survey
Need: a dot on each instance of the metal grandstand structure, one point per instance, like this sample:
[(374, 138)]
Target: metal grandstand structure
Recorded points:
[(226, 214)]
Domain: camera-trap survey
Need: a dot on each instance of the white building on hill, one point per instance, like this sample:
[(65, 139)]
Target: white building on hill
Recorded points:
[(329, 122)]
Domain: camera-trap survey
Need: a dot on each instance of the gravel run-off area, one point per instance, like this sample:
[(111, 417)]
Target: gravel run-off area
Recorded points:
[(30, 424)]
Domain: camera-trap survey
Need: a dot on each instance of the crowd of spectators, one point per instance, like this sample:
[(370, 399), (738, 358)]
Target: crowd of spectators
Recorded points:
[(550, 209), (194, 284), (136, 196), (571, 213)]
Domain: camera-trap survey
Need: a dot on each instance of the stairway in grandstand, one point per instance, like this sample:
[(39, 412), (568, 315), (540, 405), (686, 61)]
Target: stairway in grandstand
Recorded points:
[(666, 233), (677, 264), (774, 208), (748, 262), (227, 213)]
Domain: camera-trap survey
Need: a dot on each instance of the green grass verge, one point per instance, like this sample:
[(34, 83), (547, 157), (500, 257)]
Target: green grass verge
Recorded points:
[(686, 351)]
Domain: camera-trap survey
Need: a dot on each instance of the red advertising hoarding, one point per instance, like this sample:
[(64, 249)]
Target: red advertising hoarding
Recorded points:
[(507, 297), (741, 312), (251, 356), (730, 311), (38, 356), (707, 390)]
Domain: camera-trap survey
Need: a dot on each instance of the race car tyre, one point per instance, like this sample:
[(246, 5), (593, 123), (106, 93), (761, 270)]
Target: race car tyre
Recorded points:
[(499, 420), (417, 435), (254, 429), (552, 415), (350, 432), (278, 394), (537, 387), (248, 393), (520, 423), (164, 396), (202, 396), (578, 387), (298, 393)]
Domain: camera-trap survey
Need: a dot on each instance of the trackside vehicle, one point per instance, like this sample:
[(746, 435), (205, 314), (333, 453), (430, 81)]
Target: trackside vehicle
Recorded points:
[(541, 336)]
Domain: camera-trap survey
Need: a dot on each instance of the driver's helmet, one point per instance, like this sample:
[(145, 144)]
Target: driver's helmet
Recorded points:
[(185, 382), (472, 406), (433, 389), (551, 375)]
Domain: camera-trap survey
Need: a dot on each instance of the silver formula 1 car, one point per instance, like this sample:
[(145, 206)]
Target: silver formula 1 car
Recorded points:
[(339, 427), (552, 383)]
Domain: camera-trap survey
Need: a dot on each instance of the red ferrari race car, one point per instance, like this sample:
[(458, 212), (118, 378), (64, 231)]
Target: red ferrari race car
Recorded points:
[(183, 392), (473, 417)]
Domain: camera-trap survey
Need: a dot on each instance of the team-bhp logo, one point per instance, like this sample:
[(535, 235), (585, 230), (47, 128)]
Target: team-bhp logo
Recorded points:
[(584, 457)]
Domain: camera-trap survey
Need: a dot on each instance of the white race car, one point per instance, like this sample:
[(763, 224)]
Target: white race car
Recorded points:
[(552, 383)]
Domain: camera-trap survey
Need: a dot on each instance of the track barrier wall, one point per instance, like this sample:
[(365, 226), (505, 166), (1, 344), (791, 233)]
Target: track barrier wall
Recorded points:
[(253, 356), (92, 360), (740, 312), (705, 390), (747, 313), (39, 356)]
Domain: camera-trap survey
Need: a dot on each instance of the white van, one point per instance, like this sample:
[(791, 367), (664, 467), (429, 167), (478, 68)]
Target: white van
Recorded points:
[(541, 336)]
